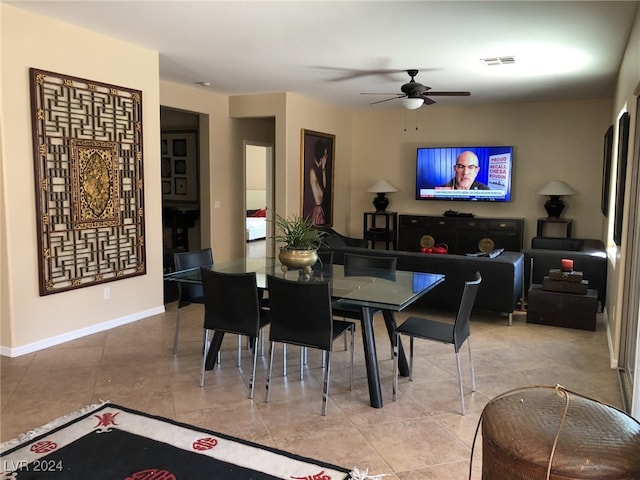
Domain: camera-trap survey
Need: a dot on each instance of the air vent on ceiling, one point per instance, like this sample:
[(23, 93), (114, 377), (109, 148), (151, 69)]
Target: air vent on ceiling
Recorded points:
[(494, 61)]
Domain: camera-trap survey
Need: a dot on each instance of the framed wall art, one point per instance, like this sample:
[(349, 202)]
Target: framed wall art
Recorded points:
[(317, 165), (87, 147), (606, 171), (179, 161), (623, 146)]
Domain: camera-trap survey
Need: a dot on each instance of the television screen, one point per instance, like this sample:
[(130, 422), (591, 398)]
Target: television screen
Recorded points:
[(464, 173)]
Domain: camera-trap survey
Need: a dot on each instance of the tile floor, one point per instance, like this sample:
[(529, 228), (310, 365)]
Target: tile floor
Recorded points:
[(421, 436)]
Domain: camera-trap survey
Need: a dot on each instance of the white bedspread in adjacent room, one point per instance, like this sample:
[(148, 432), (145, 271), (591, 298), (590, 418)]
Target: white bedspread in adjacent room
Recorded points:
[(256, 228)]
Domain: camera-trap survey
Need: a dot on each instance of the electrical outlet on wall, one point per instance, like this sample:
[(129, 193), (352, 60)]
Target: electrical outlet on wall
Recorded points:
[(107, 293)]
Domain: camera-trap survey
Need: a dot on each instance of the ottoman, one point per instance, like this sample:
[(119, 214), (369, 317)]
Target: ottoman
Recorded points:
[(593, 440), (571, 310)]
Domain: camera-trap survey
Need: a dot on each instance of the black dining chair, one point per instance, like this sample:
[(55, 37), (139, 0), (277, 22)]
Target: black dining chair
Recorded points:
[(301, 315), (451, 333), (368, 265), (189, 293), (232, 305)]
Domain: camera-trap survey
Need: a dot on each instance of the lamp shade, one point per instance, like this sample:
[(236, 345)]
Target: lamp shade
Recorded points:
[(382, 186), (411, 103), (556, 188)]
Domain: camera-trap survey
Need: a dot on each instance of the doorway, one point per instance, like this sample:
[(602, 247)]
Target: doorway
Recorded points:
[(258, 187), (181, 208)]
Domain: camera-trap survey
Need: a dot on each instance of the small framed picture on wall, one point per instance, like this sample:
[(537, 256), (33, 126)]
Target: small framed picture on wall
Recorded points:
[(179, 168)]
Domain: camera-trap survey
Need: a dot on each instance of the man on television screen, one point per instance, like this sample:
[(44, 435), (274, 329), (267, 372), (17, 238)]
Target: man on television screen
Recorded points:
[(466, 170)]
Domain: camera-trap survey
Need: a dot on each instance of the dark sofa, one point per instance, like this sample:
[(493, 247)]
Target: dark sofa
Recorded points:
[(335, 239), (589, 257), (502, 276)]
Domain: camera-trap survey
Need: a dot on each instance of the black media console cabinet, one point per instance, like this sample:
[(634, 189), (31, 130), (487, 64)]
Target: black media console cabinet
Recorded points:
[(461, 234)]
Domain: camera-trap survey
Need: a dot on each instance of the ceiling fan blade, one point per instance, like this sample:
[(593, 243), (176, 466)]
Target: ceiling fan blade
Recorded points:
[(426, 99), (448, 94), (386, 93), (387, 99), (351, 73)]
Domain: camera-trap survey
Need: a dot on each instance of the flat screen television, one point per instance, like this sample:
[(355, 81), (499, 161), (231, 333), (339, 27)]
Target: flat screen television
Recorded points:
[(443, 174)]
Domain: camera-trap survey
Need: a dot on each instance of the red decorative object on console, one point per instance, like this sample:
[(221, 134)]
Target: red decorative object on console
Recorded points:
[(566, 265)]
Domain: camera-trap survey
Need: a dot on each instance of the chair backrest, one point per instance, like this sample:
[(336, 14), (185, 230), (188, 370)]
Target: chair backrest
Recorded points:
[(461, 329), (325, 257), (191, 292), (324, 263), (300, 312), (231, 302), (370, 265)]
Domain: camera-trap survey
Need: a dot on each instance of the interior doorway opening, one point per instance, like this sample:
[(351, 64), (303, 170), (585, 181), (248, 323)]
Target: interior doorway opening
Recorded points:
[(181, 154), (258, 187)]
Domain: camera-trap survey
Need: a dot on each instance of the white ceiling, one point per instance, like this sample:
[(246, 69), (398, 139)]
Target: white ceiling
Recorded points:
[(330, 50)]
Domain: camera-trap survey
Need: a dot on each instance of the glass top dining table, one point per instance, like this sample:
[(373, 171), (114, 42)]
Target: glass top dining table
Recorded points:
[(370, 290)]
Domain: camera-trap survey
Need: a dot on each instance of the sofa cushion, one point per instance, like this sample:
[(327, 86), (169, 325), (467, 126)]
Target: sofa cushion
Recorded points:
[(572, 244), (334, 240)]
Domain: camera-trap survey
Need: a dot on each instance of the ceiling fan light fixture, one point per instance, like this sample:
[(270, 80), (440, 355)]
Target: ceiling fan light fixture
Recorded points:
[(412, 103)]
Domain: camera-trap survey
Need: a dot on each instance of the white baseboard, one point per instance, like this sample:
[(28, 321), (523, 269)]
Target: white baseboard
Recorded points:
[(613, 360), (83, 332)]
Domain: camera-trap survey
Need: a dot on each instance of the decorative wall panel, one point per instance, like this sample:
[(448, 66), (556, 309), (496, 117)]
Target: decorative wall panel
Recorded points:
[(87, 142)]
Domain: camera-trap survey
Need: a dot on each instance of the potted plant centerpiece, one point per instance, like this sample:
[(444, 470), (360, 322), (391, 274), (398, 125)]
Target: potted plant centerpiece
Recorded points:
[(301, 241)]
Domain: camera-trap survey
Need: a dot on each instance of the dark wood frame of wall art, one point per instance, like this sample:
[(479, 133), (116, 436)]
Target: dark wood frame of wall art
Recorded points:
[(623, 148), (84, 160), (308, 140), (606, 171)]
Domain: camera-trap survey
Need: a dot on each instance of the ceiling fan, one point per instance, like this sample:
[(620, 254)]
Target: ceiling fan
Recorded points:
[(415, 94)]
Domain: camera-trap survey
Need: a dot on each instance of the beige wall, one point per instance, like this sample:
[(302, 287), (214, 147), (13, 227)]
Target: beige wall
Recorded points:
[(256, 174), (559, 140), (292, 113), (28, 320)]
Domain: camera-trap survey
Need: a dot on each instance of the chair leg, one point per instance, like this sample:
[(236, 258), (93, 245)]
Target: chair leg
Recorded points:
[(460, 382), (410, 358), (239, 350), (473, 370), (394, 390), (269, 371), (303, 352), (205, 350), (284, 359), (175, 335), (353, 334), (253, 370), (325, 390)]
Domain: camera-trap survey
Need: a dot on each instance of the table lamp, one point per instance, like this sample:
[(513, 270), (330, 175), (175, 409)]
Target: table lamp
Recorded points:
[(381, 187), (555, 189)]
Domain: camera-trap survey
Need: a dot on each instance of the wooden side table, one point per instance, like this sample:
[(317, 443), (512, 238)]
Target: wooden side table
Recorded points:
[(380, 227), (571, 310)]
